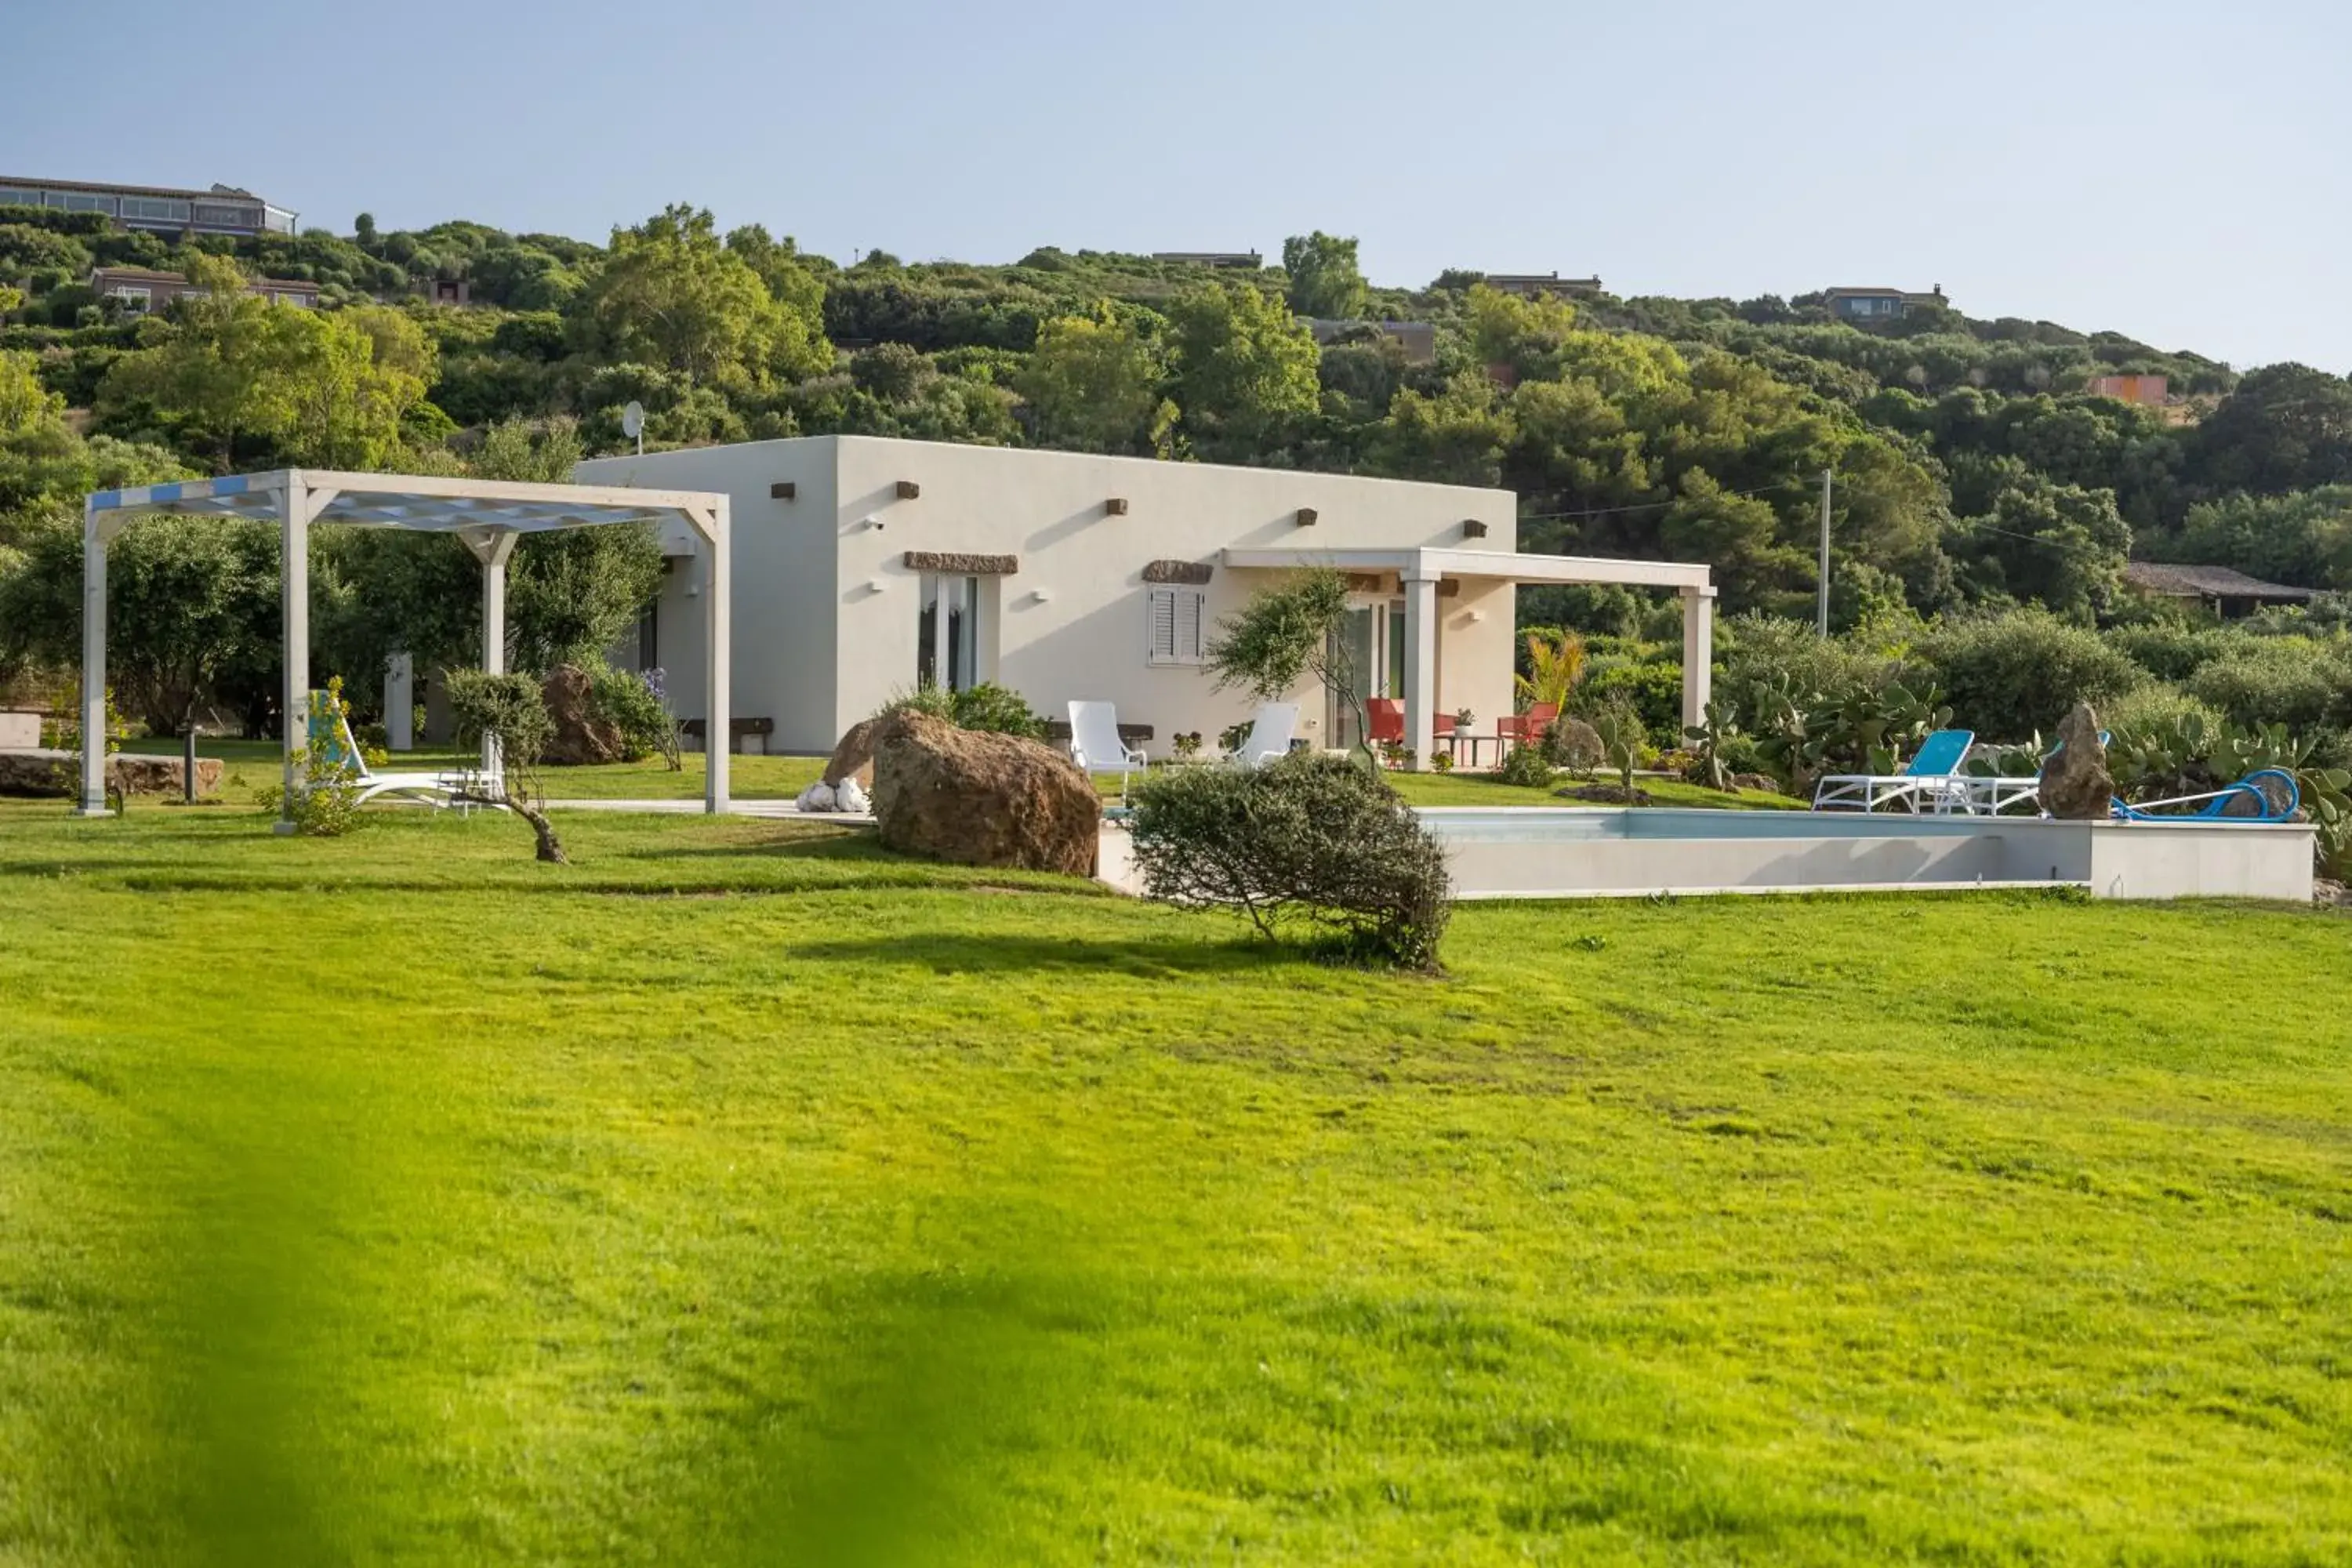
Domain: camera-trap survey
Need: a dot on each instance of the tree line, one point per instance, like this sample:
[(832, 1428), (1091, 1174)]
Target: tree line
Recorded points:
[(1974, 468)]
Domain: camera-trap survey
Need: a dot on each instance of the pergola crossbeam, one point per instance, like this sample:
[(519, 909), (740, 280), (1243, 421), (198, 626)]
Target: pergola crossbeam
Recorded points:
[(487, 516)]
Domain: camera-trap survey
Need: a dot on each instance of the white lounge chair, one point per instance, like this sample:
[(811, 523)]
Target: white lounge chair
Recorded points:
[(1932, 782), (335, 745), (1271, 728), (1096, 745)]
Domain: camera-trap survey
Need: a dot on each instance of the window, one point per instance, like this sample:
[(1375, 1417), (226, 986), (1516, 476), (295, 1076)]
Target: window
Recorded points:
[(158, 209), (1175, 629), (133, 296)]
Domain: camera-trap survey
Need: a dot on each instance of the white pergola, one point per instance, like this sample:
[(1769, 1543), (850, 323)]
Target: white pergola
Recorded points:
[(486, 515), (1420, 570)]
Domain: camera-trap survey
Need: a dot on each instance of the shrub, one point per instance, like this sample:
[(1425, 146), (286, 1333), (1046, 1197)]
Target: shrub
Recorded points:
[(1760, 656), (2155, 706), (2012, 675), (1526, 766), (1651, 689), (994, 708), (2277, 681), (2171, 650), (628, 702), (1306, 840)]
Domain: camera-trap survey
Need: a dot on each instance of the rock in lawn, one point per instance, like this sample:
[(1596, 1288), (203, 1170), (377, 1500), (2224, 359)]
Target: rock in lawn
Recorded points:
[(2076, 783), (1575, 745), (57, 775), (853, 758), (580, 736), (1763, 783), (160, 775), (983, 799), (816, 797)]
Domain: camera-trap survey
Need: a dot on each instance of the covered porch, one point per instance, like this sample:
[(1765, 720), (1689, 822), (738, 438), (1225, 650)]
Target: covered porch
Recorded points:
[(486, 515), (1424, 576)]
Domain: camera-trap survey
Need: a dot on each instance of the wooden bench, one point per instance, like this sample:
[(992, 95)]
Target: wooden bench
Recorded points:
[(1058, 731), (736, 730)]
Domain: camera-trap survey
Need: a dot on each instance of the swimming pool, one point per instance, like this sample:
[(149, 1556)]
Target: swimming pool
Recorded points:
[(1572, 853), (1565, 853)]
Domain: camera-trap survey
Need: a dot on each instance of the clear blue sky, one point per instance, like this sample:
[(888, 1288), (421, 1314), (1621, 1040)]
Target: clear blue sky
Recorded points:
[(2179, 172)]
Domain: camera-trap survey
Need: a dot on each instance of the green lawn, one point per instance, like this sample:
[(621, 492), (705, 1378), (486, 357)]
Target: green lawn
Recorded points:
[(741, 1194)]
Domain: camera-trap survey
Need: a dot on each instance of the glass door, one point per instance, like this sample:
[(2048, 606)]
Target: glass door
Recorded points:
[(947, 635)]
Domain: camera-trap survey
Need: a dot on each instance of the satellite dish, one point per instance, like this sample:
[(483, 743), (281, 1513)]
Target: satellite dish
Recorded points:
[(633, 419)]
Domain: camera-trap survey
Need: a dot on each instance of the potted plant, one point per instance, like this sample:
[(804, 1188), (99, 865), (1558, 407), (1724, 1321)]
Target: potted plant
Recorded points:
[(1464, 721)]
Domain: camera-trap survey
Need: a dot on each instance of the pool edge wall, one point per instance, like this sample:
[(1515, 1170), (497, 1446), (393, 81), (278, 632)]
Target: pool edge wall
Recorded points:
[(1508, 854)]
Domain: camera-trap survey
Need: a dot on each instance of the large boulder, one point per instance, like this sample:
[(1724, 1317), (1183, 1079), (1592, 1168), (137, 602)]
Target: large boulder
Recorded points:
[(57, 775), (853, 757), (579, 735), (982, 799), (2076, 783), (37, 770)]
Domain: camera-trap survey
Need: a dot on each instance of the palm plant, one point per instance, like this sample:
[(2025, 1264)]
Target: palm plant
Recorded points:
[(1555, 664)]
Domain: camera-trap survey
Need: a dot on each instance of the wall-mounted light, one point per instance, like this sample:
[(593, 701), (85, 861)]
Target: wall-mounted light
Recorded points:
[(1478, 616), (1042, 596), (1306, 517), (1473, 528), (909, 490), (783, 489), (875, 584), (1115, 507), (875, 523)]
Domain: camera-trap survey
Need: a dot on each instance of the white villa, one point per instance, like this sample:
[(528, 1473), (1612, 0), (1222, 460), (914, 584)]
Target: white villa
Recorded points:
[(862, 566)]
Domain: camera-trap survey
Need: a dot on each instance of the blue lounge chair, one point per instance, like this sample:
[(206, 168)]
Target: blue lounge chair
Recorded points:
[(1933, 780), (2265, 802)]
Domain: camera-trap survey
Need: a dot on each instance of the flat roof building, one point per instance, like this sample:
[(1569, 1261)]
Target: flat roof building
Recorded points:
[(143, 288), (222, 209), (864, 565)]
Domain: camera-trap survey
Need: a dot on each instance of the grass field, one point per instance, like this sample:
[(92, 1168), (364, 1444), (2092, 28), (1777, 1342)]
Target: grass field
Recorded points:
[(741, 1193)]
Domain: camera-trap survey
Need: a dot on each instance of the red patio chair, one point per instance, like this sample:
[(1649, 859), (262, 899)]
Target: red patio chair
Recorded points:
[(1386, 715)]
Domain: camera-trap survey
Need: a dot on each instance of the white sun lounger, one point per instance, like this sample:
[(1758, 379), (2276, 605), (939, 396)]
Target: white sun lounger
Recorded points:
[(336, 746), (1096, 745), (1271, 728), (1932, 783)]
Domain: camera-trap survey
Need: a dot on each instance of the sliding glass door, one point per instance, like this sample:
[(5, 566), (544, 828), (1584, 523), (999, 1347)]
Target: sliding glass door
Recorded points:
[(947, 643)]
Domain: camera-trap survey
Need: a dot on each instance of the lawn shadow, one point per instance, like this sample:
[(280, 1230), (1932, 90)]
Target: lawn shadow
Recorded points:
[(804, 844), (1007, 952)]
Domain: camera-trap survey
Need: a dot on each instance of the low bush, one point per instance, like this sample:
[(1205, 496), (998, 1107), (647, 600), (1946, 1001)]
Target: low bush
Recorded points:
[(2155, 706), (2278, 680), (2173, 650), (1305, 841), (633, 707), (998, 709), (1530, 767), (2013, 675)]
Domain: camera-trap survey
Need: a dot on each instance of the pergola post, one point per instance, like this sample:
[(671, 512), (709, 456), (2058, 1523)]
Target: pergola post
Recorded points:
[(493, 547), (1420, 666), (1698, 653), (717, 602), (93, 664), (294, 578)]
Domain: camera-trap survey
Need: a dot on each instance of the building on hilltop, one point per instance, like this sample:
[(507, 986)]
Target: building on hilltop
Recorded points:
[(162, 209), (142, 289), (1866, 307), (2228, 594), (1418, 339), (2149, 391), (1222, 260), (1527, 285)]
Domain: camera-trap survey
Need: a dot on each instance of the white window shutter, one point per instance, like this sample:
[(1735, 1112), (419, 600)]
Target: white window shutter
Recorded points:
[(1188, 628), (1162, 645)]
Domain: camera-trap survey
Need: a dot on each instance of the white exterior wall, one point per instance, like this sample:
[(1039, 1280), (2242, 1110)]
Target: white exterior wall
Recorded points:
[(818, 647), (783, 557)]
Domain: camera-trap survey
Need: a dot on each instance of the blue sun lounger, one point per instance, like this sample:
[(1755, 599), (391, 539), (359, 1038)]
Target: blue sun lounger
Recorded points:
[(1933, 780), (2266, 802)]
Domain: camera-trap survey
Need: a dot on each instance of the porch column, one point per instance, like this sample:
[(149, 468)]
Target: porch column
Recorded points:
[(493, 548), (718, 661), (1698, 652), (294, 576), (1420, 667), (93, 667)]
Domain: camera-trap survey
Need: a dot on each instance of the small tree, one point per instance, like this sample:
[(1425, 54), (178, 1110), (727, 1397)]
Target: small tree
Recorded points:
[(1287, 632), (1305, 840), (508, 711)]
